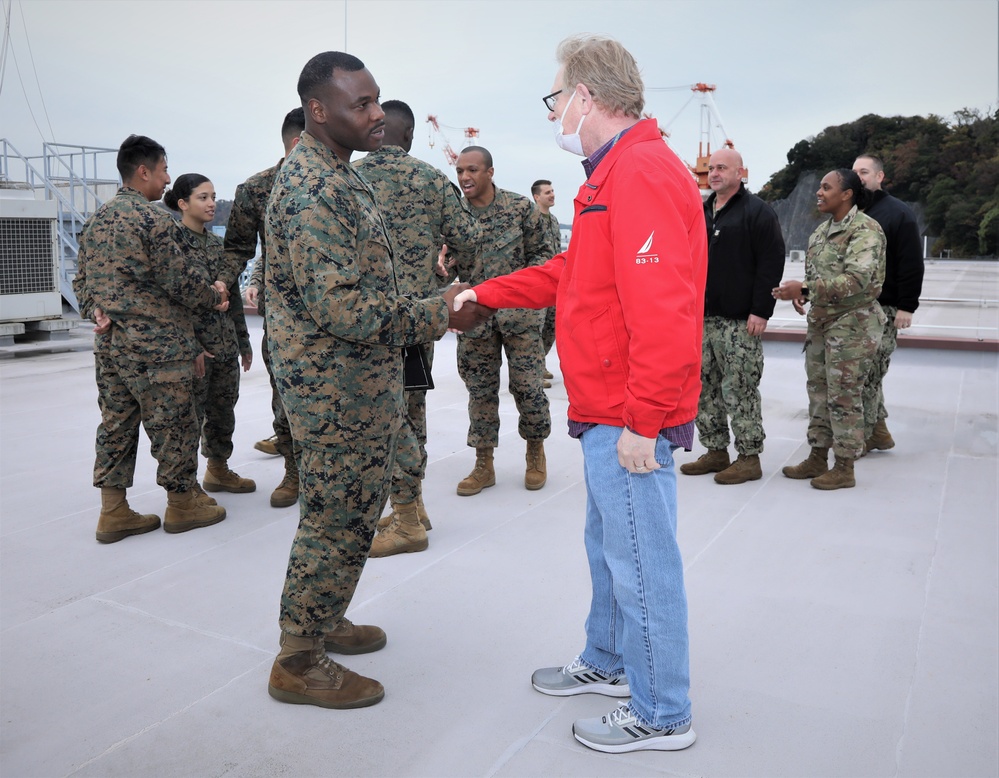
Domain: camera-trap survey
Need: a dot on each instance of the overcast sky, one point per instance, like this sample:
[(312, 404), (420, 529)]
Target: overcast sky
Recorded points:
[(211, 80)]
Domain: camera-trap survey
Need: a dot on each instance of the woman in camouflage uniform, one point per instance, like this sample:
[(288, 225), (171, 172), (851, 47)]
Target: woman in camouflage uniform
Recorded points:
[(223, 336), (844, 270)]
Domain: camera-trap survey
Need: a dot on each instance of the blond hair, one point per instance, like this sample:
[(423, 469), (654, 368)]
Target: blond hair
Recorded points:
[(607, 69)]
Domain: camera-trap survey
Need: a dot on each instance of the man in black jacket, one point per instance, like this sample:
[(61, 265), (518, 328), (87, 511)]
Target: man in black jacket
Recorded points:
[(899, 295), (745, 261)]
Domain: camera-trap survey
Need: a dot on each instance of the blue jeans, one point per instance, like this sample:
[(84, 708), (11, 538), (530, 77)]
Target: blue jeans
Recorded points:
[(638, 616)]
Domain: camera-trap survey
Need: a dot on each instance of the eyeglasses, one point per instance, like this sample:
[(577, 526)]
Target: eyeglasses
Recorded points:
[(549, 100)]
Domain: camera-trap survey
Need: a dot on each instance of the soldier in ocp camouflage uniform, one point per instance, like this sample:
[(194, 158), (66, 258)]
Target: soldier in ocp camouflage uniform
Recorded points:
[(336, 327), (422, 210), (136, 283), (844, 270), (245, 226), (515, 238)]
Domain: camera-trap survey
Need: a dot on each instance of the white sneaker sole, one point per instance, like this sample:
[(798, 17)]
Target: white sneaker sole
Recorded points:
[(662, 743), (608, 690)]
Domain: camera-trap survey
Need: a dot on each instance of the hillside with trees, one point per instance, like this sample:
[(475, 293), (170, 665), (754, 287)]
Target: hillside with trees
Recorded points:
[(948, 170)]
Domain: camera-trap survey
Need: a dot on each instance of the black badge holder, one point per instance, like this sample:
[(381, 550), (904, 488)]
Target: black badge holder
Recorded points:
[(416, 368)]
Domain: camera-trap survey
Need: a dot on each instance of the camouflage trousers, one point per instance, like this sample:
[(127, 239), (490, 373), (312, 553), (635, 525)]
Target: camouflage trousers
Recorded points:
[(159, 397), (548, 330), (874, 396), (215, 396), (283, 441), (342, 492), (731, 368), (479, 363), (411, 449), (838, 355)]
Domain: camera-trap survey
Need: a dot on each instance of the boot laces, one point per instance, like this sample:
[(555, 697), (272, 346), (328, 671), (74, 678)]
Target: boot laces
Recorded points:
[(332, 669)]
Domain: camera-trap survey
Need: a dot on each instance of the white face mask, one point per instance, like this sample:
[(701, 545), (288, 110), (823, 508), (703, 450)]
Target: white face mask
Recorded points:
[(571, 143)]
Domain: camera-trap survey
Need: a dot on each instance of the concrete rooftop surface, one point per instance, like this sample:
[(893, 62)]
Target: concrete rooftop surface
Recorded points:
[(847, 633)]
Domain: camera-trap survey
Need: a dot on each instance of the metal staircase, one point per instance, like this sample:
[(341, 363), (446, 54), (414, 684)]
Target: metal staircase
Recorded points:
[(77, 178)]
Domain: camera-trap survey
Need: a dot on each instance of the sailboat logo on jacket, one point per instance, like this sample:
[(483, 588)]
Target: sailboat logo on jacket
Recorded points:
[(645, 256)]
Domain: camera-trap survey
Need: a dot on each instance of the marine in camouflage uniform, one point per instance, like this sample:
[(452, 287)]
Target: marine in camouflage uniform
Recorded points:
[(224, 335), (245, 226), (132, 269), (844, 270), (515, 238), (336, 327), (422, 210), (745, 263)]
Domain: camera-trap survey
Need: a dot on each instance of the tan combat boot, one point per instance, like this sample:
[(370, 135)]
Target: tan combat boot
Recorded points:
[(404, 535), (880, 438), (268, 445), (185, 511), (219, 478), (714, 461), (287, 491), (203, 497), (351, 638), (745, 468), (302, 674), (117, 520), (840, 477), (482, 474), (537, 466), (816, 464), (421, 510)]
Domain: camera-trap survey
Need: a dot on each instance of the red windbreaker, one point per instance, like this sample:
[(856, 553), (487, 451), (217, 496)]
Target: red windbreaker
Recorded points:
[(628, 292)]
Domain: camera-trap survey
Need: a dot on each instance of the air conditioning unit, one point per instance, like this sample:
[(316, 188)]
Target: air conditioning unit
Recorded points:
[(29, 258), (797, 255)]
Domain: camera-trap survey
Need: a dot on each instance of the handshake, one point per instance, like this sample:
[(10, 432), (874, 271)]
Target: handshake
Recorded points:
[(219, 287), (467, 314)]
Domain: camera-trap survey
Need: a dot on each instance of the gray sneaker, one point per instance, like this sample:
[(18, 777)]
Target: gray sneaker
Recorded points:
[(619, 731), (578, 678)]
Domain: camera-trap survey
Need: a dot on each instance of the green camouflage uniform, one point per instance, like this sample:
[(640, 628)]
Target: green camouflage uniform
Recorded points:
[(132, 268), (844, 270), (553, 235), (336, 328), (422, 210), (224, 335), (515, 238), (245, 226)]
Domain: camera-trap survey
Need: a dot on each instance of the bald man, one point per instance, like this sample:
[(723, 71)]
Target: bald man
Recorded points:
[(745, 255)]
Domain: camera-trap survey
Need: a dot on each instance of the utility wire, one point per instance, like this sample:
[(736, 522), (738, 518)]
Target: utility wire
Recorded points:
[(6, 42), (31, 56), (27, 100)]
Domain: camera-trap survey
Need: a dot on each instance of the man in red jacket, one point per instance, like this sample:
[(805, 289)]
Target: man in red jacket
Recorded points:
[(629, 305)]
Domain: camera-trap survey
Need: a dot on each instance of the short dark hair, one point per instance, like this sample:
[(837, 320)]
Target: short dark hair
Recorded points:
[(484, 152), (848, 179), (182, 188), (137, 150), (399, 108), (293, 124), (536, 186), (319, 70)]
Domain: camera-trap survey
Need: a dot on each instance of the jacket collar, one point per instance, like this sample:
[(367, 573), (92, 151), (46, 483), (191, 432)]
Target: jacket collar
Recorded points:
[(640, 132)]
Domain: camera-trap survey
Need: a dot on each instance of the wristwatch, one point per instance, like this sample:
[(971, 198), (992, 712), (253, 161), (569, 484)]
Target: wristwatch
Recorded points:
[(804, 291)]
